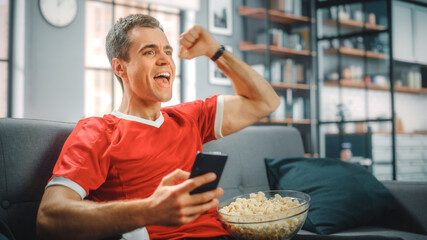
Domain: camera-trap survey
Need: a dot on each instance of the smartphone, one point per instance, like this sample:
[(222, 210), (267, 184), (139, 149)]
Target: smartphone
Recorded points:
[(208, 162)]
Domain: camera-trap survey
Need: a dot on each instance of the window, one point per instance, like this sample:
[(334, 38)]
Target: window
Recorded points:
[(4, 58), (102, 91)]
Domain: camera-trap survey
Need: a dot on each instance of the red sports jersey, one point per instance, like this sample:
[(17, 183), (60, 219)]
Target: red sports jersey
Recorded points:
[(120, 156)]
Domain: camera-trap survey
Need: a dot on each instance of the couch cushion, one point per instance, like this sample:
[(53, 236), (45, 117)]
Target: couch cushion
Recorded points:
[(379, 231), (28, 152), (343, 195), (412, 214)]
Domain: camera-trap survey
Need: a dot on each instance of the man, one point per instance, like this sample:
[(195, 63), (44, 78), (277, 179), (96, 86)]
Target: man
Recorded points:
[(129, 170)]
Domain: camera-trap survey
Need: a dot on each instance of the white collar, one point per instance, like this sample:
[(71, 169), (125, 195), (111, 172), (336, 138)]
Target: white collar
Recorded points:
[(157, 123)]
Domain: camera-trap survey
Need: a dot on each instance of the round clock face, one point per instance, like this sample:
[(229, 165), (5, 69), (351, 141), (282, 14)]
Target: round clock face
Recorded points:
[(59, 13)]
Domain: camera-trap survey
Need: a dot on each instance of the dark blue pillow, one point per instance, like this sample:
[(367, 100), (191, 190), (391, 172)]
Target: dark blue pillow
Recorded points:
[(343, 195)]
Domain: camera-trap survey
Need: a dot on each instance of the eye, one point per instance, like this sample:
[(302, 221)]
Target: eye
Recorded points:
[(149, 52), (168, 52)]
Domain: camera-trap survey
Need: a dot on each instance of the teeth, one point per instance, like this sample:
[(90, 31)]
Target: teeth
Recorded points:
[(163, 75)]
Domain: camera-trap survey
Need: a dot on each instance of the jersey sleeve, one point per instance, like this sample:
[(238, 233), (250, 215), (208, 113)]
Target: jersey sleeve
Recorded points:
[(208, 116), (83, 160)]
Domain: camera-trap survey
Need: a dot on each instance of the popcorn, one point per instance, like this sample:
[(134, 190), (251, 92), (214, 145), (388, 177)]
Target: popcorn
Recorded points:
[(257, 217)]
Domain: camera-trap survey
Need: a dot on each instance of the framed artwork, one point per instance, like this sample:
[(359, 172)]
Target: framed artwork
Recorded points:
[(220, 17), (216, 77)]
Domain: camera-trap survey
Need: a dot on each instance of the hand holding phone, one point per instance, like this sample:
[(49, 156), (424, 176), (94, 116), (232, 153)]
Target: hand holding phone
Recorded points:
[(208, 162)]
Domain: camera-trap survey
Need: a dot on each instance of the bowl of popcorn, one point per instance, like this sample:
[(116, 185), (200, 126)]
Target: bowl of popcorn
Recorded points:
[(277, 214)]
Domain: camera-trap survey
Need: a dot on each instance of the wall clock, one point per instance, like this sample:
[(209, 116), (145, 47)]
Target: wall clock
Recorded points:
[(59, 13)]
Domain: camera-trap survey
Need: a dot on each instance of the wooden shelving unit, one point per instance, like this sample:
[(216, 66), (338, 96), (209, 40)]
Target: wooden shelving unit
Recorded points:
[(262, 48), (286, 121), (373, 86), (351, 52), (286, 26), (349, 24), (282, 86), (274, 15)]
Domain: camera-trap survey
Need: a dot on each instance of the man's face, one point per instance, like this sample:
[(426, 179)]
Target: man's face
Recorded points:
[(150, 70)]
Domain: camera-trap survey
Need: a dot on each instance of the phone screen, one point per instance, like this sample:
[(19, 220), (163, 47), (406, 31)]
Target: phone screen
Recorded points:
[(208, 162)]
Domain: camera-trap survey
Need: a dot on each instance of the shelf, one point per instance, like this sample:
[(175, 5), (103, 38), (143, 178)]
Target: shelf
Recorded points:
[(373, 86), (261, 48), (275, 16), (299, 86), (404, 89), (354, 84), (355, 121), (291, 121), (353, 24), (285, 121), (402, 133), (351, 52)]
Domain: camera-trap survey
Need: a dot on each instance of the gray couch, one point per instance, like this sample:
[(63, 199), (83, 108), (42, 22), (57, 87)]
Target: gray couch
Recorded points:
[(29, 149)]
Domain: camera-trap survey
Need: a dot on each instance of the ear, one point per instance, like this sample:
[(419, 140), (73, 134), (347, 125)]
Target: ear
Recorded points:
[(119, 68)]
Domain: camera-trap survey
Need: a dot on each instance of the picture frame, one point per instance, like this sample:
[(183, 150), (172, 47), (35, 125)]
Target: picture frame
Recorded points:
[(220, 17), (216, 77)]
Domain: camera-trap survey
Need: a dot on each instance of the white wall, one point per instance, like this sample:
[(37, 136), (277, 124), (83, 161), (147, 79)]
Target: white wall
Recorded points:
[(48, 74)]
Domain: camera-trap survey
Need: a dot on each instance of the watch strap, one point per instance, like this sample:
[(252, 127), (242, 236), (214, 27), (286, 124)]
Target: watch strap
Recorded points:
[(218, 53)]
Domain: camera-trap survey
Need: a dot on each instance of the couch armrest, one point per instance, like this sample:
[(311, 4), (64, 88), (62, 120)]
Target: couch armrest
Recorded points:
[(412, 211)]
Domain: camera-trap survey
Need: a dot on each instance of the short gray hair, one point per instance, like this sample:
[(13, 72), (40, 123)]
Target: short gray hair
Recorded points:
[(117, 43)]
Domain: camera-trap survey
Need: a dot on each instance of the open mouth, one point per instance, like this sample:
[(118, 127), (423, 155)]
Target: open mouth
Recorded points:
[(163, 79)]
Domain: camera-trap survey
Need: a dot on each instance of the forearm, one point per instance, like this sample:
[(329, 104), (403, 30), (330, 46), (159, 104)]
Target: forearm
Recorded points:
[(77, 219), (248, 83), (63, 215)]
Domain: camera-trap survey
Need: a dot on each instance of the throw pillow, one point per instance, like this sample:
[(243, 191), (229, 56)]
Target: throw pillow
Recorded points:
[(343, 195)]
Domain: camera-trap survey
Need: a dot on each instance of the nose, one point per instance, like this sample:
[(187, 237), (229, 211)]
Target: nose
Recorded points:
[(164, 58)]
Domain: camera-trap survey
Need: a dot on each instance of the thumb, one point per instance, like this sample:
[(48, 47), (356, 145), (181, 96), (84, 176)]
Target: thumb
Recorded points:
[(175, 177), (184, 53)]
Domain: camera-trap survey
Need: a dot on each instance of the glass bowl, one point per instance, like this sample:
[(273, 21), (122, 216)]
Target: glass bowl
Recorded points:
[(277, 214)]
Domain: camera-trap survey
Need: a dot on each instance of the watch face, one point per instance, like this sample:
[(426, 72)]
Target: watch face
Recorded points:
[(59, 13)]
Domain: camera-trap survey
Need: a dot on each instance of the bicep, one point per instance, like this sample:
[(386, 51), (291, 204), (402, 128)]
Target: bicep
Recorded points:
[(58, 193), (239, 112)]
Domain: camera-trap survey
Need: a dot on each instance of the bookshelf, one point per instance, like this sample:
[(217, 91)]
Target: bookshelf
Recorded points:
[(355, 67), (277, 43)]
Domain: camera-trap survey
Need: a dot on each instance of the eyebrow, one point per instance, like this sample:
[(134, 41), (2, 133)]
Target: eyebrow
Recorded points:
[(168, 47)]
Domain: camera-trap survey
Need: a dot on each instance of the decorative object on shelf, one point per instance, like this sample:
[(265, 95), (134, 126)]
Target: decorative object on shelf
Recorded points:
[(371, 18), (358, 15), (346, 154), (342, 114), (358, 43), (220, 17), (333, 76), (58, 13), (215, 75), (344, 12), (293, 7)]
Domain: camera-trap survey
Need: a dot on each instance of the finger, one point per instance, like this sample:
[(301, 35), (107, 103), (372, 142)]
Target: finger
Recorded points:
[(195, 31), (205, 197), (196, 182), (183, 53), (174, 177), (184, 42), (194, 34), (200, 208), (189, 37)]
